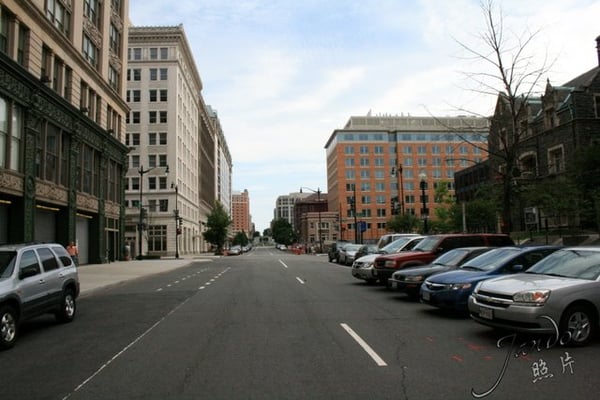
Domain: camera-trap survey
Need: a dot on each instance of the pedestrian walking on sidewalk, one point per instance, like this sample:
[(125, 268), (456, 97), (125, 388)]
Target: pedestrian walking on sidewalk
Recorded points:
[(73, 252)]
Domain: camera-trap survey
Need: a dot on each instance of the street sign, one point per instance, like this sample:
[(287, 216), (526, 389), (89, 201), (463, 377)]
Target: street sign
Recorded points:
[(362, 226)]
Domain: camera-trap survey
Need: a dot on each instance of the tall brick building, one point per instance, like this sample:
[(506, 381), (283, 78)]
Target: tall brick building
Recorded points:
[(374, 159), (240, 213)]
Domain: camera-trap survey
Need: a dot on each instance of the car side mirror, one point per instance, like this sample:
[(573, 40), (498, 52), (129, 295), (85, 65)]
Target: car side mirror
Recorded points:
[(517, 268), (26, 272)]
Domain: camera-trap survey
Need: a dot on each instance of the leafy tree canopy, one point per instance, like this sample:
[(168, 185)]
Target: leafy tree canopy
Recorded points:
[(217, 225)]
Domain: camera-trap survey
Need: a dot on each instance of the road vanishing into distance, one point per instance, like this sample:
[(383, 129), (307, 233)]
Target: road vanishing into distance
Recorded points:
[(273, 325)]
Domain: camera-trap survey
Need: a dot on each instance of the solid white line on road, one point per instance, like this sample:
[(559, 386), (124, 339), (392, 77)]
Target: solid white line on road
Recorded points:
[(378, 360), (300, 280), (282, 263)]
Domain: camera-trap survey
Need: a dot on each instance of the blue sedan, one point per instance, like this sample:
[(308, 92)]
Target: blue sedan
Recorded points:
[(451, 290)]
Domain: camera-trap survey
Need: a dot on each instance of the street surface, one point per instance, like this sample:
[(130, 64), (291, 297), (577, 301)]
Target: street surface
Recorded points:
[(274, 325)]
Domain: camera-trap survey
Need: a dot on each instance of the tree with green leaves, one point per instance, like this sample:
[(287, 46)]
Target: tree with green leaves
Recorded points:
[(403, 223), (240, 238), (217, 227), (283, 232)]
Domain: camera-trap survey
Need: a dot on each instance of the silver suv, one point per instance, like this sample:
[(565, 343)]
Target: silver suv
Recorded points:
[(35, 279)]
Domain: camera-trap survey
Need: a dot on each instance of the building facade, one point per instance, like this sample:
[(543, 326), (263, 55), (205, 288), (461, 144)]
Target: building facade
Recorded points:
[(163, 133), (375, 166), (240, 213), (62, 124), (285, 206)]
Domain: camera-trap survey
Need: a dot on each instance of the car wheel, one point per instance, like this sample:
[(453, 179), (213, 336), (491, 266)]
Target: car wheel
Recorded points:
[(371, 281), (67, 307), (8, 327), (578, 323)]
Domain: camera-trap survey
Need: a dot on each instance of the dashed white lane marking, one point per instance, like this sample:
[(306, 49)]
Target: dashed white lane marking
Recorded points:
[(300, 280), (378, 360), (282, 263), (120, 353), (213, 279)]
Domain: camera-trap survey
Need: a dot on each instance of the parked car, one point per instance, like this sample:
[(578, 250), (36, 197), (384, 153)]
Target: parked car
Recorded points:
[(366, 249), (388, 238), (333, 252), (35, 279), (451, 290), (559, 296), (432, 247), (409, 280), (347, 253), (362, 268), (235, 250)]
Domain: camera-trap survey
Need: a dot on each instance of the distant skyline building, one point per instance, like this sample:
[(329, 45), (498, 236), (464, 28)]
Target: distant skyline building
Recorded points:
[(240, 213), (284, 207), (375, 165)]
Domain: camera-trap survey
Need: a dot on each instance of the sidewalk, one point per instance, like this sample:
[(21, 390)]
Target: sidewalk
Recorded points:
[(96, 276)]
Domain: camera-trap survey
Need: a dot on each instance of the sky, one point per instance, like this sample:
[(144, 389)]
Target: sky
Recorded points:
[(284, 74)]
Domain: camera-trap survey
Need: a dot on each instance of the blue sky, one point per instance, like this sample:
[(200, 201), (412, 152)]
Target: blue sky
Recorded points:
[(283, 75)]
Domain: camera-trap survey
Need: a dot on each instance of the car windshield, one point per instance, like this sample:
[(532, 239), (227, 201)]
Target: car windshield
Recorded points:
[(451, 258), (395, 245), (492, 259), (570, 263), (7, 263), (427, 244)]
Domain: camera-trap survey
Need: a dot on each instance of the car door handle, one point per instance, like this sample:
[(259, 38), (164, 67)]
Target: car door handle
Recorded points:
[(41, 281)]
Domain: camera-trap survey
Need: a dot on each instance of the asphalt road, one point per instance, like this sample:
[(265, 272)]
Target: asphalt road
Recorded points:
[(273, 325)]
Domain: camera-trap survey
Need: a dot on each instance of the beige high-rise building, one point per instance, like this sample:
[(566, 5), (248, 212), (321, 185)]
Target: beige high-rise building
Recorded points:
[(62, 65), (163, 132)]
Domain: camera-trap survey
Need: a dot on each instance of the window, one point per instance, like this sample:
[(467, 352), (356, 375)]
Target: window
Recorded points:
[(152, 160), (134, 53), (22, 43), (163, 95), (152, 117), (47, 258), (349, 150), (164, 53), (163, 205), (135, 184), (114, 38), (135, 117), (349, 162), (59, 15), (162, 138), (11, 127), (153, 74), (364, 150), (91, 11), (162, 182), (134, 74), (135, 161), (153, 53), (90, 52), (163, 117), (164, 74), (555, 160), (135, 139), (152, 183), (133, 96), (5, 19), (157, 238), (113, 77), (51, 153)]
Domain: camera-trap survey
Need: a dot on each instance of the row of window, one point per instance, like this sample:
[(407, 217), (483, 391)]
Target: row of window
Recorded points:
[(154, 117), (150, 53), (154, 74), (154, 160), (154, 183), (365, 174), (152, 205), (413, 137), (413, 149), (154, 138), (410, 162), (154, 95)]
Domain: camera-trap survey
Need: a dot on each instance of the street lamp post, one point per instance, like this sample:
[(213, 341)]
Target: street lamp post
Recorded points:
[(177, 220), (143, 171), (424, 211), (353, 205), (318, 192)]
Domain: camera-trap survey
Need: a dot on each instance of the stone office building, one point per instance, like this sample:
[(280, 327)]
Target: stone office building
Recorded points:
[(62, 124)]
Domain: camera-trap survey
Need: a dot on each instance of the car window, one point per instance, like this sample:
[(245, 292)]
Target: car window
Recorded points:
[(62, 255), (492, 259), (7, 263), (49, 262), (453, 257), (29, 262), (574, 263)]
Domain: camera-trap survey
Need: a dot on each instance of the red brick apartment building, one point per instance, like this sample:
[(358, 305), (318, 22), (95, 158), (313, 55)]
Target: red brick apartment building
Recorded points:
[(240, 213), (364, 158)]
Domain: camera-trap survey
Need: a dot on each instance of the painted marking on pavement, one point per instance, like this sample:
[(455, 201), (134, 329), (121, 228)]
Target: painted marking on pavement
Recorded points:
[(282, 263), (300, 280), (378, 360)]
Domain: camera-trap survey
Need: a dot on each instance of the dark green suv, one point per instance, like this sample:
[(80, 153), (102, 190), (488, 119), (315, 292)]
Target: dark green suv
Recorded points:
[(333, 252), (35, 279)]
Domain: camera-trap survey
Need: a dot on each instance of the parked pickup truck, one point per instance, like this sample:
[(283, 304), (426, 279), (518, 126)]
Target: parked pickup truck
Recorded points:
[(430, 248)]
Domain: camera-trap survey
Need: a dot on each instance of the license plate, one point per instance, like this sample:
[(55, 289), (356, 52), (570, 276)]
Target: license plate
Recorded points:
[(486, 313), (426, 296), (394, 285)]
